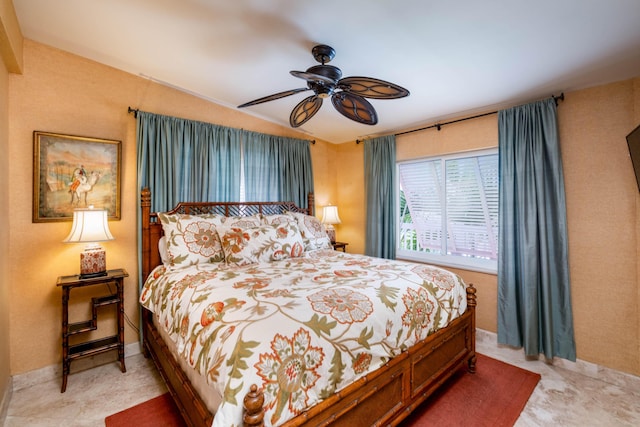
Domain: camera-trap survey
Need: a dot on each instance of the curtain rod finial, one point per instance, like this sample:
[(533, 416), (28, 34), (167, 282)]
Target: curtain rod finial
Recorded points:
[(558, 98)]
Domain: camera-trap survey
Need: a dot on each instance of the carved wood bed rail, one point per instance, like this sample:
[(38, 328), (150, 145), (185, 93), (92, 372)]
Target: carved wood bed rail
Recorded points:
[(383, 397)]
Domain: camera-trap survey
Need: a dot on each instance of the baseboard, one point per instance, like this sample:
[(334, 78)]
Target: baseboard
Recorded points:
[(7, 391), (588, 369), (54, 372)]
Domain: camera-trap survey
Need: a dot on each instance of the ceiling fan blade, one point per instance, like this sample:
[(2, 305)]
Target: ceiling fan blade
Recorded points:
[(273, 97), (305, 110), (372, 88), (312, 77), (355, 107)]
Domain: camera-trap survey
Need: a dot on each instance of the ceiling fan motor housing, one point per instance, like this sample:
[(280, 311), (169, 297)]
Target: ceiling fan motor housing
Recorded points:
[(329, 71), (322, 88)]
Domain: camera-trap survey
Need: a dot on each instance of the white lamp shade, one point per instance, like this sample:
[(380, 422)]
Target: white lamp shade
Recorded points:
[(330, 215), (89, 225)]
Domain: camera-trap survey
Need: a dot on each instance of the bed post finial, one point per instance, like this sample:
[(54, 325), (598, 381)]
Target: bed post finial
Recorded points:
[(471, 295), (253, 410), (145, 197)]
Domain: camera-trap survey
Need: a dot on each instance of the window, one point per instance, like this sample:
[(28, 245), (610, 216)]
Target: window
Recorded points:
[(454, 196)]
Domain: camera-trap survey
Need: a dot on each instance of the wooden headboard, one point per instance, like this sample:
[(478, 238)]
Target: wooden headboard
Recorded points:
[(152, 229)]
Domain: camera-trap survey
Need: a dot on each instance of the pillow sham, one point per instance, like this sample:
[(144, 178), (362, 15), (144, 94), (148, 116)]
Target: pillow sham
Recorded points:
[(240, 221), (279, 219), (243, 246), (313, 232), (191, 239)]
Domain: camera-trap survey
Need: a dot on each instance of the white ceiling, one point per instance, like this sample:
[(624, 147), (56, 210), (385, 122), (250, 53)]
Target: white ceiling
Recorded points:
[(456, 57)]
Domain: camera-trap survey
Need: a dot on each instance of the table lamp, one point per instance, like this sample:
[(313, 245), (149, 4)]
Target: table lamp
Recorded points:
[(90, 226), (330, 217)]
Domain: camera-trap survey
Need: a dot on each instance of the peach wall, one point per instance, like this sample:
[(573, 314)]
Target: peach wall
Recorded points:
[(4, 234), (10, 62), (63, 93), (636, 119), (602, 212), (603, 205)]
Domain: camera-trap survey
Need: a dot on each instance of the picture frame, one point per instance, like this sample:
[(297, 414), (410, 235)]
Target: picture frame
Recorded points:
[(72, 172)]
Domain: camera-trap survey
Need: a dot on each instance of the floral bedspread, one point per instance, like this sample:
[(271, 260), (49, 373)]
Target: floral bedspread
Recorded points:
[(300, 328)]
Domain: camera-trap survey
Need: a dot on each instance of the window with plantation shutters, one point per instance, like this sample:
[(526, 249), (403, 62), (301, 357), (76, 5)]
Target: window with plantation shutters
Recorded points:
[(454, 196)]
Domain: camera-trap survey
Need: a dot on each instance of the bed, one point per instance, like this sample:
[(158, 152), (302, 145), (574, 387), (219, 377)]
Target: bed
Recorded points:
[(396, 363)]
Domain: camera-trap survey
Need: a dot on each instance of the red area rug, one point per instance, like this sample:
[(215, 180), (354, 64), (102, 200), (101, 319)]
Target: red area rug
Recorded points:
[(159, 411), (494, 396)]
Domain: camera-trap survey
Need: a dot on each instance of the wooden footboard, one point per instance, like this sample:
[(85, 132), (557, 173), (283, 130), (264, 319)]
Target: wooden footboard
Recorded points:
[(383, 397)]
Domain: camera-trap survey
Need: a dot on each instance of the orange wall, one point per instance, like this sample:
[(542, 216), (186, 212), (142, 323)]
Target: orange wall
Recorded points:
[(63, 93), (603, 209)]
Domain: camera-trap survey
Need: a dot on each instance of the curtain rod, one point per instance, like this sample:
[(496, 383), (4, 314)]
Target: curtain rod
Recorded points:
[(439, 125), (135, 114)]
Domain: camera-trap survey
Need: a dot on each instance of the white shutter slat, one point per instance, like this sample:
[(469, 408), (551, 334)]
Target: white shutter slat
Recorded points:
[(458, 195), (422, 186)]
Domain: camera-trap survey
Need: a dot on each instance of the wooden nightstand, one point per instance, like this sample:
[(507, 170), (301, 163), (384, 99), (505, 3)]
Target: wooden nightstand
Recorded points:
[(90, 348), (340, 246)]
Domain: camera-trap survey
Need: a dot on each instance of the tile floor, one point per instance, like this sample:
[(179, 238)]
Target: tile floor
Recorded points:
[(569, 394)]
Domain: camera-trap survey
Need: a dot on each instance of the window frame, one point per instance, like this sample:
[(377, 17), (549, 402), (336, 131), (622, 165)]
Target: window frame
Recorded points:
[(455, 261)]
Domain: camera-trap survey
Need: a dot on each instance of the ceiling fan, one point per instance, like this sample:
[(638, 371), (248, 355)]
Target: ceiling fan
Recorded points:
[(347, 94)]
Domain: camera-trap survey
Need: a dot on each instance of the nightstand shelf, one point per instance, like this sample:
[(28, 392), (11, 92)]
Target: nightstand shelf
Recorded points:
[(80, 327), (105, 300), (89, 348)]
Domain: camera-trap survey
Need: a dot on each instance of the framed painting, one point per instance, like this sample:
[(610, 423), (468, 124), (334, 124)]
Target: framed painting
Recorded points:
[(72, 172)]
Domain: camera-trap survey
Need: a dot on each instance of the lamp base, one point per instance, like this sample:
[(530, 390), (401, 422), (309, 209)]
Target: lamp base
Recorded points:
[(93, 262), (331, 232)]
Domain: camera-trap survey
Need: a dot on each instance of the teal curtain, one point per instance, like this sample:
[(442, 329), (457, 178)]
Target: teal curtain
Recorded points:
[(534, 295), (281, 165), (184, 160), (380, 193)]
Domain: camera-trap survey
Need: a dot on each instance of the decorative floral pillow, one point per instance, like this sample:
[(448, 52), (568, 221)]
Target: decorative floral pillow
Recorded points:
[(190, 239), (313, 232), (243, 246)]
